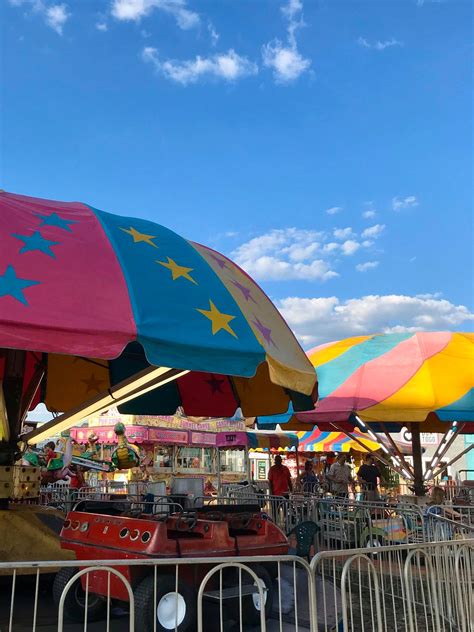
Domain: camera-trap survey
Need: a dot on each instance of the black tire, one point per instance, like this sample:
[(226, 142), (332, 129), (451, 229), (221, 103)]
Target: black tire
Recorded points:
[(251, 603), (75, 602), (145, 612)]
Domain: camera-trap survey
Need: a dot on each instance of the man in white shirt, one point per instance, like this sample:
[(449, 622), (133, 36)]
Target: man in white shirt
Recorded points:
[(340, 477)]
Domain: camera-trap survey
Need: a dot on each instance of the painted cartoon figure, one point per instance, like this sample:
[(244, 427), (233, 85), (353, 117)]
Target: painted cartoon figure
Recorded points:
[(125, 455), (92, 448)]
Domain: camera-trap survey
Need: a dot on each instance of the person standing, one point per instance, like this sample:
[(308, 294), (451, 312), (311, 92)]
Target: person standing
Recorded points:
[(309, 480), (279, 479), (369, 477), (340, 477)]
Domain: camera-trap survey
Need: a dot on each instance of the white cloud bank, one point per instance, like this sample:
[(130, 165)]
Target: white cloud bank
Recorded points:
[(135, 10), (54, 15), (334, 210), (284, 58), (227, 66), (298, 253), (319, 320), (280, 254)]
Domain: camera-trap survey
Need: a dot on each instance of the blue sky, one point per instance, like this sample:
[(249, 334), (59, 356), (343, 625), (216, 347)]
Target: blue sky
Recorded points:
[(325, 145)]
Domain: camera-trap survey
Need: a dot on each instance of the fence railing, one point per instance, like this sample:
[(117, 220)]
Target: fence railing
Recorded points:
[(397, 588)]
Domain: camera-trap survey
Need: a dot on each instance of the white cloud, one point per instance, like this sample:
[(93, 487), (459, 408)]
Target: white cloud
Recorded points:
[(343, 233), (400, 203), (135, 10), (349, 247), (379, 45), (331, 247), (334, 210), (289, 253), (284, 58), (101, 26), (54, 15), (373, 231), (368, 265), (421, 3), (369, 214), (226, 66), (214, 35), (319, 320), (287, 63)]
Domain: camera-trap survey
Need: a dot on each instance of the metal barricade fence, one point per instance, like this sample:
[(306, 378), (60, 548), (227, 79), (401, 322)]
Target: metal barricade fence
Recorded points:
[(203, 594), (408, 588), (401, 588)]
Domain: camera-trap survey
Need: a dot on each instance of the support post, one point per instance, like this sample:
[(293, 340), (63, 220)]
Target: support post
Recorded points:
[(12, 392), (419, 487)]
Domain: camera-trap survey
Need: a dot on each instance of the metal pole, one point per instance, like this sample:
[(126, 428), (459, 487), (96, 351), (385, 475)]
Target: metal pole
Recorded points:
[(456, 458), (419, 488), (375, 455), (443, 448), (406, 465), (219, 480)]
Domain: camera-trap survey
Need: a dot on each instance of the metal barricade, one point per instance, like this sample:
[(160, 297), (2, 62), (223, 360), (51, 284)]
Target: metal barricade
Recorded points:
[(419, 587), (203, 594)]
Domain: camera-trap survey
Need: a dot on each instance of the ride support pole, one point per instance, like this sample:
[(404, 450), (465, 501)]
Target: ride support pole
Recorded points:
[(419, 487)]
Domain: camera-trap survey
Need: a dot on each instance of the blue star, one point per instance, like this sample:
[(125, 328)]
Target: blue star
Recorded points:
[(36, 241), (55, 220), (11, 285)]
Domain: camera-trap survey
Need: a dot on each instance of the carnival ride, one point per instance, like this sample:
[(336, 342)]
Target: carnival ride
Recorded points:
[(215, 531)]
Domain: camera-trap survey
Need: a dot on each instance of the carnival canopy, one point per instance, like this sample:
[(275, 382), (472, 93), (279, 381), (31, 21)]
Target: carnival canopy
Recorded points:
[(95, 298), (393, 379), (318, 441), (272, 441)]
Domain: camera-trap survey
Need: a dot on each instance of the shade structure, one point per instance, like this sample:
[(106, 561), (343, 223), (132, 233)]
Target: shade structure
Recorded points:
[(393, 379), (94, 298), (320, 441), (272, 441)]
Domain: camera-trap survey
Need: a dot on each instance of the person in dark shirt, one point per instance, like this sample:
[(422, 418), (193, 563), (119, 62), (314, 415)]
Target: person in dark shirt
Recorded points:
[(369, 475), (309, 480)]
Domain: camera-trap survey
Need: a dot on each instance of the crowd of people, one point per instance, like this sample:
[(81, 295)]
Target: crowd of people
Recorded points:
[(337, 478)]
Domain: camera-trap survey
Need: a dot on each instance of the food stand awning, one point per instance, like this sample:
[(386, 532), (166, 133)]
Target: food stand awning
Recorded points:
[(272, 441)]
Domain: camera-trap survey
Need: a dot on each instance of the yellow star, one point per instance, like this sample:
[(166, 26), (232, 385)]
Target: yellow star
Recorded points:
[(218, 319), (177, 271), (138, 237)]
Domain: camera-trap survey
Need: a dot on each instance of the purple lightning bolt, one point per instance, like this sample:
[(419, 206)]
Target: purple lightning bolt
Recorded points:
[(247, 292), (265, 331), (220, 262)]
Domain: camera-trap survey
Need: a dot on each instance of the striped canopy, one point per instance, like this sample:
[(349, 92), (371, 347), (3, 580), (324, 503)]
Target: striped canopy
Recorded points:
[(272, 441), (318, 441), (392, 379), (96, 298)]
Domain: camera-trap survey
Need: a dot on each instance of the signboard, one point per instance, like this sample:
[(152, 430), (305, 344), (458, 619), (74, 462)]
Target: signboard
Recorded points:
[(181, 423), (261, 470), (203, 438), (167, 437), (229, 439), (426, 438), (107, 435)]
